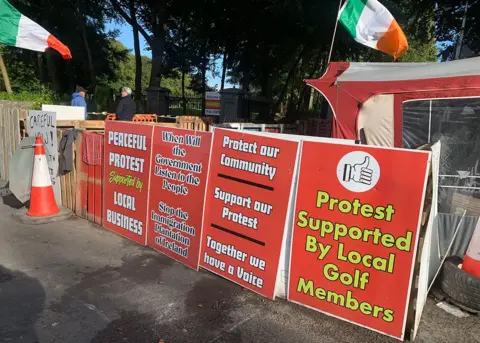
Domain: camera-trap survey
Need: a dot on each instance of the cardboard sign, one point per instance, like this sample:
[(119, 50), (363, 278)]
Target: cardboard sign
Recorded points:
[(178, 178), (66, 112), (246, 206), (128, 148), (356, 223), (44, 124)]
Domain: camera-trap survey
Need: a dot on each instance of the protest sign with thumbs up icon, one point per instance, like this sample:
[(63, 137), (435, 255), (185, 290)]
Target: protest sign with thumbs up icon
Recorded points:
[(358, 171), (344, 193)]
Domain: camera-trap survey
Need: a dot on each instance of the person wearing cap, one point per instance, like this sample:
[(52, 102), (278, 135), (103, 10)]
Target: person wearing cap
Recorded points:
[(78, 99), (126, 107)]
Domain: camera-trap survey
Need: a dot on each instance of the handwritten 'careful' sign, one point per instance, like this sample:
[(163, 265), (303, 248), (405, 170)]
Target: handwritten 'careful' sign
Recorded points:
[(44, 124)]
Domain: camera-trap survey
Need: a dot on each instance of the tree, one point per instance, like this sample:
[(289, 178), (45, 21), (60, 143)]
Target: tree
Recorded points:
[(450, 16), (138, 56), (21, 75), (125, 75), (182, 48), (92, 56), (152, 26), (126, 10), (311, 60), (268, 47), (82, 21)]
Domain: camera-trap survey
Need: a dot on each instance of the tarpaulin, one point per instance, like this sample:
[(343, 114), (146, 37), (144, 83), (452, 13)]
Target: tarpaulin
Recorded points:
[(66, 152), (92, 152)]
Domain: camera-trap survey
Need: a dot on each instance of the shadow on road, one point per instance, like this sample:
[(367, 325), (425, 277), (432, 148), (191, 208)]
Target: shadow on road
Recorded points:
[(130, 327), (22, 300)]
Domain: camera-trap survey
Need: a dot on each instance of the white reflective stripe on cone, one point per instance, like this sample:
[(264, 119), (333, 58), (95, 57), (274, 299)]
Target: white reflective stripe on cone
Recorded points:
[(41, 175)]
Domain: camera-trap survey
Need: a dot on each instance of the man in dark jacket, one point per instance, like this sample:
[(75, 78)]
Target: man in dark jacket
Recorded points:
[(126, 107)]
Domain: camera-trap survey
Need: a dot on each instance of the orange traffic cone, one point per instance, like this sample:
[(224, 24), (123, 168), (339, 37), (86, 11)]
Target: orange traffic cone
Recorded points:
[(471, 262), (42, 198)]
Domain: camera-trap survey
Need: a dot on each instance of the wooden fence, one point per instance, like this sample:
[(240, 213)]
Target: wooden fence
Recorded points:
[(68, 181), (12, 118), (89, 185), (82, 188), (194, 123), (311, 127)]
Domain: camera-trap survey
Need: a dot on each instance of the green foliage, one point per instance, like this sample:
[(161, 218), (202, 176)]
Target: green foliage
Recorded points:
[(419, 51), (36, 98), (189, 111), (175, 86), (79, 24), (125, 74), (22, 76), (289, 42), (449, 25)]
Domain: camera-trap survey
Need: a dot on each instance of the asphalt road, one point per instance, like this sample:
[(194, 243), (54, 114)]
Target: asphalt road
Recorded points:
[(72, 282)]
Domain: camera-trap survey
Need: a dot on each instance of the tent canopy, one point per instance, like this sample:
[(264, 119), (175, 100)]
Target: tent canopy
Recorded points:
[(347, 86), (410, 71)]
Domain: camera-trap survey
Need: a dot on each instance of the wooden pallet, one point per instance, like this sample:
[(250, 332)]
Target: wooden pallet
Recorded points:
[(9, 137), (194, 123), (68, 181), (89, 125), (462, 202)]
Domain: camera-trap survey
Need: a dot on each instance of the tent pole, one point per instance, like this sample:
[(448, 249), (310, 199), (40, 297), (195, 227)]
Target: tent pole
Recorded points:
[(6, 80), (334, 32)]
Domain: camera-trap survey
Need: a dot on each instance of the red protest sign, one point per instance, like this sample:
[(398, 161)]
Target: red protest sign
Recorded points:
[(246, 206), (126, 180), (355, 236), (178, 177)]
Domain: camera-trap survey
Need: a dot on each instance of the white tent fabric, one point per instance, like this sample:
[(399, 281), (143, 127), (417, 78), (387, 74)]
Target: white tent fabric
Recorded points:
[(410, 71)]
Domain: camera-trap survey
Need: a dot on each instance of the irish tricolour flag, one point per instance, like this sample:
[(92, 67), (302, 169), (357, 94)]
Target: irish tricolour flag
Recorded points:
[(17, 30), (371, 24)]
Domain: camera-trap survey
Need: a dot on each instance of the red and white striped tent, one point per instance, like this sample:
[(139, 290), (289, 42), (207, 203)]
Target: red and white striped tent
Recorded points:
[(371, 96)]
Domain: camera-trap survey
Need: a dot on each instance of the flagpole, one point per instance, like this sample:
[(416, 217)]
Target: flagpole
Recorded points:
[(6, 80), (334, 32), (328, 62)]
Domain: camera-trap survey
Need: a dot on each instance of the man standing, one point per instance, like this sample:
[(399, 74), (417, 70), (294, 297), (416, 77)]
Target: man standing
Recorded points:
[(78, 99), (126, 107)]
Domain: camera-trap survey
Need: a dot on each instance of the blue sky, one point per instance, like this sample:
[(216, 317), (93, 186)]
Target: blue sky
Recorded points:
[(126, 37)]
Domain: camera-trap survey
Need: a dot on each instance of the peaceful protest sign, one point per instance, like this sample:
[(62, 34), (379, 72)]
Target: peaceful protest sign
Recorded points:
[(178, 178), (127, 166), (248, 192), (356, 222)]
